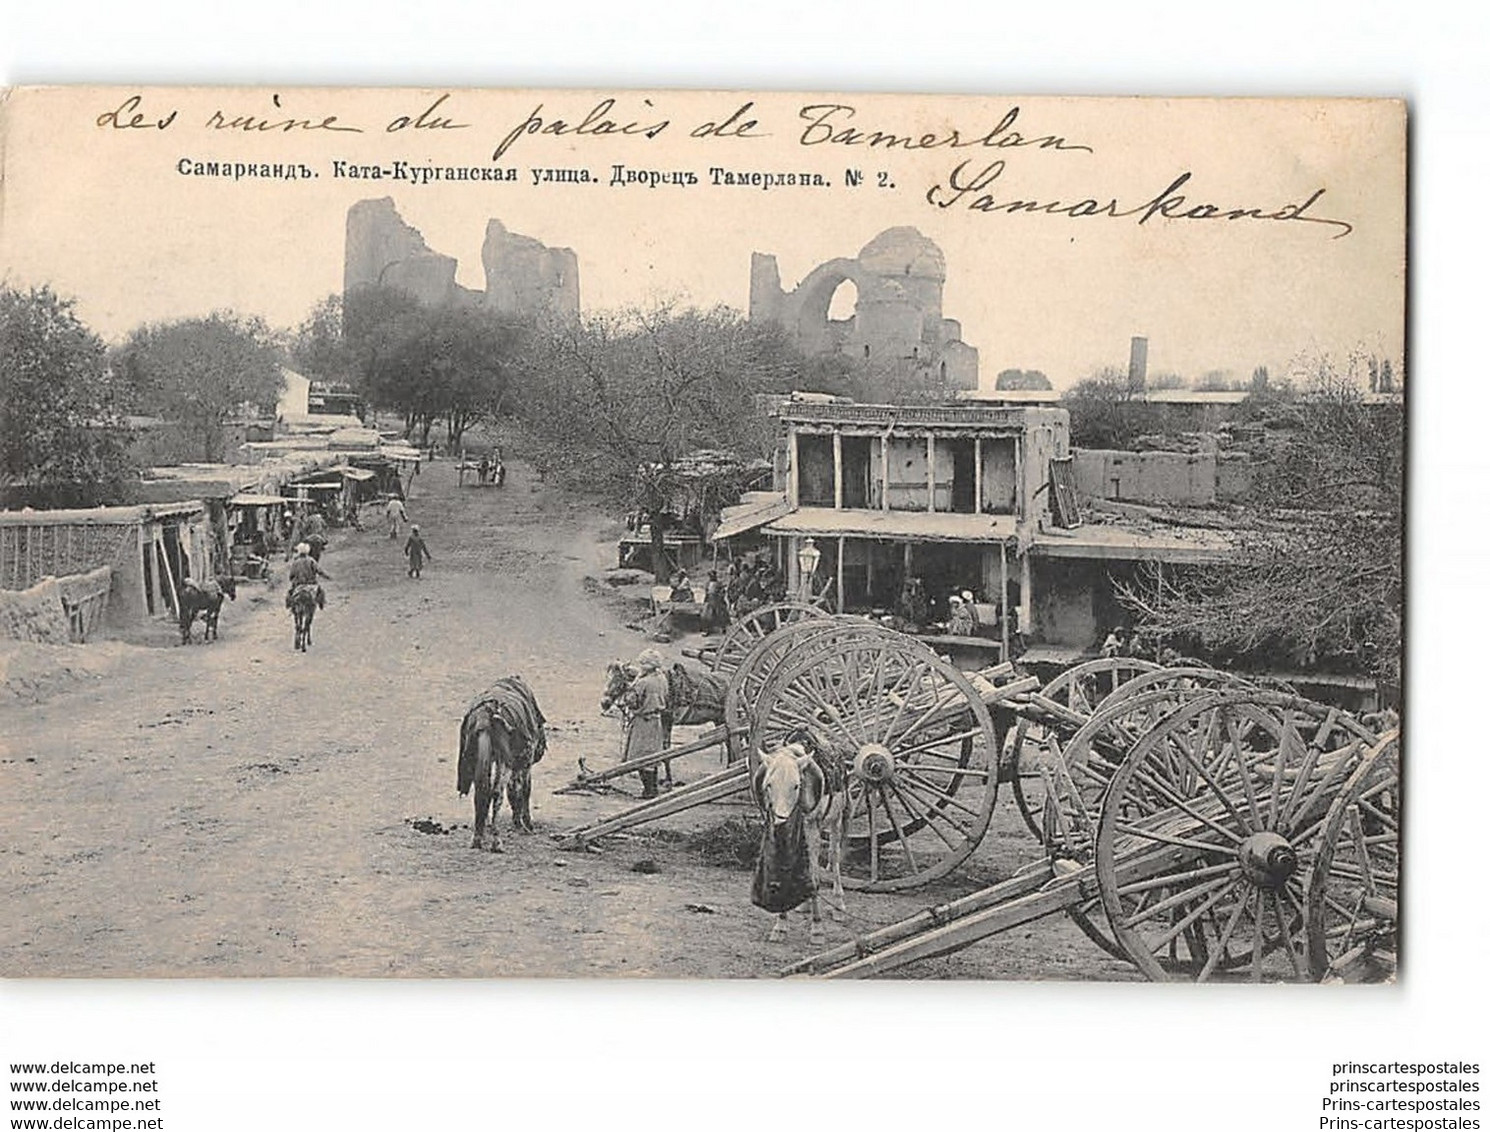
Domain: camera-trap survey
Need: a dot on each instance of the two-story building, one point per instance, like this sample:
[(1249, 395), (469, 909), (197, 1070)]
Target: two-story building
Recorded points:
[(961, 497)]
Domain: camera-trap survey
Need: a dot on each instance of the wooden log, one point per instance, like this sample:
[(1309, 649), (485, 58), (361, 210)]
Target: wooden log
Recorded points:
[(710, 739), (1057, 895), (726, 783)]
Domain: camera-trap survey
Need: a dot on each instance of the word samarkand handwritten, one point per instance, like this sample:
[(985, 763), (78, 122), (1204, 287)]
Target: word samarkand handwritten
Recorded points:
[(970, 191)]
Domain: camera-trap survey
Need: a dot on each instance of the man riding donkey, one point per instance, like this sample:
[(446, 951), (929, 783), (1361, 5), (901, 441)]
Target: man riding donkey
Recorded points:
[(644, 703), (305, 571)]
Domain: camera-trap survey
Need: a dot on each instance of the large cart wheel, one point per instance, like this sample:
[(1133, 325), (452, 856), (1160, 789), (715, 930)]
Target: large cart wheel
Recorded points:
[(1210, 827), (1074, 777), (915, 744), (1066, 702), (1352, 904), (765, 659), (756, 626)]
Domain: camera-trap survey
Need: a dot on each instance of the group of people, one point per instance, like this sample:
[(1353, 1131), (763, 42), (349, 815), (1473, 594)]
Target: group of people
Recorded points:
[(415, 548)]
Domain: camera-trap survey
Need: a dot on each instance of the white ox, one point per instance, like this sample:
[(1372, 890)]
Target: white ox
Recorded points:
[(790, 785)]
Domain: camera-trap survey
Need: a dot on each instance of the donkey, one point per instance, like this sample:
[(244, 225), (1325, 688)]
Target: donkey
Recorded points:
[(302, 602), (799, 798), (501, 737), (205, 598)]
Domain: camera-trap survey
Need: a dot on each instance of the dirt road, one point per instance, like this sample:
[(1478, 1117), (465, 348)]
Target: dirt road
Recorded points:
[(242, 810)]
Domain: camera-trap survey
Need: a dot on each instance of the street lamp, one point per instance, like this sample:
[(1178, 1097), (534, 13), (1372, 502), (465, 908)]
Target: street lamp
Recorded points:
[(807, 559)]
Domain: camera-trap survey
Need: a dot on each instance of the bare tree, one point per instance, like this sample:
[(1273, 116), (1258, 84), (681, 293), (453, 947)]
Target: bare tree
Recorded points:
[(1317, 579)]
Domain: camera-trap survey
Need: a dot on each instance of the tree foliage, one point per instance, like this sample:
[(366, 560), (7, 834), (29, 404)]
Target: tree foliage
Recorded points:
[(1103, 412), (453, 364), (61, 411), (319, 347), (203, 372), (1021, 379), (1319, 583), (617, 400)]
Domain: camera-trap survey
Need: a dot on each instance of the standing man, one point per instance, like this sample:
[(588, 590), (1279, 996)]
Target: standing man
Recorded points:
[(397, 515), (416, 551), (644, 703)]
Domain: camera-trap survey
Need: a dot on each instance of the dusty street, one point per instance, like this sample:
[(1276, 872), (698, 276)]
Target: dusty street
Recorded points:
[(239, 809)]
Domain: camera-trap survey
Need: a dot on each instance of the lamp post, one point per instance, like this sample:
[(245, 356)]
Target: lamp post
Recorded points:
[(807, 559)]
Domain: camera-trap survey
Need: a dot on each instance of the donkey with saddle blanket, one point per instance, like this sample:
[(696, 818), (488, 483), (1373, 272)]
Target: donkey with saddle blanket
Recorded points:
[(501, 738)]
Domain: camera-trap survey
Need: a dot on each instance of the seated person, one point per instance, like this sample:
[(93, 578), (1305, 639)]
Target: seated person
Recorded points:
[(682, 588), (961, 623)]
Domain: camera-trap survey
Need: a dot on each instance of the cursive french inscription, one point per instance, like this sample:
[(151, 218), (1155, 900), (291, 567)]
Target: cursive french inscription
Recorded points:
[(255, 124), (597, 123), (128, 116), (428, 119), (826, 125), (970, 191)]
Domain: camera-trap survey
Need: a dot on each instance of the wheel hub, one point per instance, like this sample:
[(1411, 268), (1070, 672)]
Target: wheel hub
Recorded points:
[(874, 763), (1268, 859)]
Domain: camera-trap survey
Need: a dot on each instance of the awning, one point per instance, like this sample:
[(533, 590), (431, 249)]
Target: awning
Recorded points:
[(400, 452), (904, 526), (319, 485), (355, 473), (744, 517), (250, 500), (1129, 544)]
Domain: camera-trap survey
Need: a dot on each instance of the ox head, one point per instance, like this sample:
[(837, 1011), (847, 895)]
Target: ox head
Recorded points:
[(787, 782), (229, 585), (618, 678)]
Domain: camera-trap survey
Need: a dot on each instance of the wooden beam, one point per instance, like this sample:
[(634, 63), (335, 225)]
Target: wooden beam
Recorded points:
[(1004, 597), (977, 475), (884, 471), (841, 542), (930, 472), (838, 471), (793, 476)]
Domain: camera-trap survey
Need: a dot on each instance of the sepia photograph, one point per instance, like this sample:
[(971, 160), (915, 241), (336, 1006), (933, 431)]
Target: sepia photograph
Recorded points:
[(464, 534)]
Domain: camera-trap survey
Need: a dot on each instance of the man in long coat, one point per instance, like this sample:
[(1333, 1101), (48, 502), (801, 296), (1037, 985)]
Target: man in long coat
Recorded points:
[(644, 702)]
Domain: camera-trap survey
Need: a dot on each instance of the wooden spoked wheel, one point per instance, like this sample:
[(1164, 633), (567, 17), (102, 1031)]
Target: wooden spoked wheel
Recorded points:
[(1074, 777), (1209, 829), (1069, 700), (1352, 899), (914, 743), (755, 627), (763, 661)]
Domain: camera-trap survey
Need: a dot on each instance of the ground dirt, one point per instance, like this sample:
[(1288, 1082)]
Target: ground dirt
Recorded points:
[(239, 809)]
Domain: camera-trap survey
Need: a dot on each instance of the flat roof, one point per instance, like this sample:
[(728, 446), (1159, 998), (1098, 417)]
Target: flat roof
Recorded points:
[(1128, 543), (909, 526)]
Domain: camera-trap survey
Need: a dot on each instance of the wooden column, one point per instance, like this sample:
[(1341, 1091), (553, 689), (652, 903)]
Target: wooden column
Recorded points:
[(930, 472), (140, 566), (1019, 476), (1026, 597), (1004, 598), (838, 471), (792, 472), (977, 475), (840, 573), (885, 472), (152, 572), (793, 571)]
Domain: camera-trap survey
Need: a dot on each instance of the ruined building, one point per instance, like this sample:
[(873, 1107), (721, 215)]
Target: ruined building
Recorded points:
[(523, 276), (897, 320)]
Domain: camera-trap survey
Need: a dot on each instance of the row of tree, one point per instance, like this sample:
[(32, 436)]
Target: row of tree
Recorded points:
[(65, 397)]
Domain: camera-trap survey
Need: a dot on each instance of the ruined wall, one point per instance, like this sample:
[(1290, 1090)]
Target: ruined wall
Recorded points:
[(524, 276), (898, 277), (1179, 478), (382, 250)]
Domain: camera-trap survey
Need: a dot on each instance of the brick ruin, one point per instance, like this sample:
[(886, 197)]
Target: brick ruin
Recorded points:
[(524, 276), (897, 320)]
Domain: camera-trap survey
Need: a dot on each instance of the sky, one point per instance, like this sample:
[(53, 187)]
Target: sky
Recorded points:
[(94, 204)]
